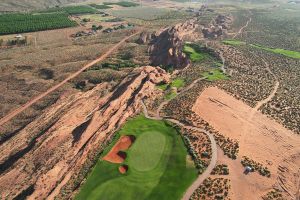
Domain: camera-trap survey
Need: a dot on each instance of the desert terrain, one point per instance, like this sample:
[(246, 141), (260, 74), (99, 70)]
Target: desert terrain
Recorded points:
[(150, 100)]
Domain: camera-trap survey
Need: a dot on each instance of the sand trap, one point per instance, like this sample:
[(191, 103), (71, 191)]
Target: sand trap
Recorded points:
[(260, 138), (117, 154), (123, 169)]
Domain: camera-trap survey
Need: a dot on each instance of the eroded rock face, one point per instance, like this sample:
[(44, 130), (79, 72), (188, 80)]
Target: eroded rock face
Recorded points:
[(42, 157), (218, 27), (166, 48)]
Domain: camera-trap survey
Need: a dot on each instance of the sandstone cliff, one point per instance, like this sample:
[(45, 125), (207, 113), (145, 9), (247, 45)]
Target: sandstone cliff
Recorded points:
[(41, 158)]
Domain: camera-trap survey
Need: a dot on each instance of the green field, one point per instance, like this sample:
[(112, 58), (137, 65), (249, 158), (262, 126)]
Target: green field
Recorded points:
[(194, 52), (142, 13), (158, 168), (287, 53), (215, 74), (284, 52), (21, 23), (97, 6), (72, 10), (178, 83), (233, 42), (122, 3)]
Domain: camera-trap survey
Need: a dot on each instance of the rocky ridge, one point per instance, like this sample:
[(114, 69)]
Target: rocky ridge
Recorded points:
[(39, 160)]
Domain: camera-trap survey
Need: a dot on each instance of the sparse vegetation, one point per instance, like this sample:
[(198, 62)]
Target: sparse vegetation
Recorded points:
[(274, 194), (220, 170), (264, 171), (210, 189)]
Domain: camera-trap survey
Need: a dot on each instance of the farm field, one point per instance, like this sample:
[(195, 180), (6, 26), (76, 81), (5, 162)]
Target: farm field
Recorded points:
[(157, 166), (72, 10), (20, 23)]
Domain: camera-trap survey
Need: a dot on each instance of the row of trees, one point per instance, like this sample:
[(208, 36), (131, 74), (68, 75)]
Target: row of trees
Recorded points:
[(20, 23)]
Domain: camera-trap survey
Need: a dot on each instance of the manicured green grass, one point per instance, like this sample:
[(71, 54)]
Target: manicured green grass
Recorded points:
[(147, 151), (194, 52), (215, 74), (288, 53), (157, 166), (233, 42), (178, 83)]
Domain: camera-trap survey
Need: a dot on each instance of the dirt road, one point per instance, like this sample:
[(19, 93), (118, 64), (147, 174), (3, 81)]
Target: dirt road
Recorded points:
[(243, 27), (11, 115)]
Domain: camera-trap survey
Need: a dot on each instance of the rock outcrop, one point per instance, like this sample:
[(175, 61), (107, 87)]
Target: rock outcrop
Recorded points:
[(166, 47), (218, 27), (38, 161)]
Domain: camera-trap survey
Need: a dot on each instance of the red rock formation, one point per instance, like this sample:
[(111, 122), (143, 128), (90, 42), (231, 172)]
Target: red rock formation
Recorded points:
[(42, 157), (166, 48)]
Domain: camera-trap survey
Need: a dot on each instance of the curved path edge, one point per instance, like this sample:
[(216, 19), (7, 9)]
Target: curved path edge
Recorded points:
[(213, 160)]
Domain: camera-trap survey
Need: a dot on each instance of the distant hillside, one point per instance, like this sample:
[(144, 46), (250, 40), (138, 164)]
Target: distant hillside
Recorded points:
[(25, 5)]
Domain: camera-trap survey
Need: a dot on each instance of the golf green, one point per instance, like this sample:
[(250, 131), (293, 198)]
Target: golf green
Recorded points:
[(157, 166)]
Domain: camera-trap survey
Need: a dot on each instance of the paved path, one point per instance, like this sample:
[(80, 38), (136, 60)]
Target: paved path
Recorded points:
[(12, 114), (213, 160)]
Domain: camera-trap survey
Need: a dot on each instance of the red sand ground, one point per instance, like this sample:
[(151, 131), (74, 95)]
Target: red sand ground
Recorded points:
[(123, 169), (114, 155), (260, 138)]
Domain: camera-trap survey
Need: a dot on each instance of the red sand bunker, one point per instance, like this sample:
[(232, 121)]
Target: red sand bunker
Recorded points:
[(117, 154), (123, 169)]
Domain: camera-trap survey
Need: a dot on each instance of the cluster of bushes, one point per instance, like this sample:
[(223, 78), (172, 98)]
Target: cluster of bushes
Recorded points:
[(273, 195), (115, 28), (220, 170), (264, 171), (200, 164), (13, 42), (217, 188), (119, 65), (229, 146)]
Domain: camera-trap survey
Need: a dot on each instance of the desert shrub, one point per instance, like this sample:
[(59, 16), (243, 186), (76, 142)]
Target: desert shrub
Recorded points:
[(46, 74)]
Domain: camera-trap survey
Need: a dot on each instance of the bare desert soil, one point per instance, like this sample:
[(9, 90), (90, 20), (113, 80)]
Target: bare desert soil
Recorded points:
[(260, 139), (114, 154)]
